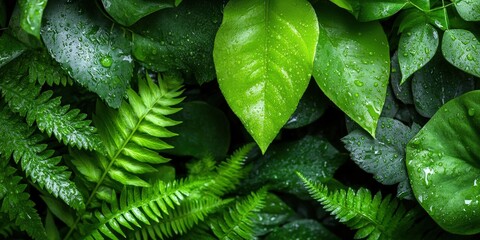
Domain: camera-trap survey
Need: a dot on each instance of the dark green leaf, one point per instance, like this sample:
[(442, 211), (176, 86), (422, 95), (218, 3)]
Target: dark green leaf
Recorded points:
[(274, 213), (204, 131), (310, 108), (302, 229), (377, 9), (468, 9), (180, 38), (313, 156), (15, 29), (462, 49), (437, 83), (92, 50), (423, 4), (51, 228), (403, 92), (439, 18), (442, 164), (128, 12), (390, 108), (10, 48), (3, 14), (352, 65), (411, 18), (265, 65), (417, 46), (31, 16), (383, 156), (60, 210)]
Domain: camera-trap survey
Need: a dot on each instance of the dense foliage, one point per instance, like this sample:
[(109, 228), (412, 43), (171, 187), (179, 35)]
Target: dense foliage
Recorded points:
[(239, 119)]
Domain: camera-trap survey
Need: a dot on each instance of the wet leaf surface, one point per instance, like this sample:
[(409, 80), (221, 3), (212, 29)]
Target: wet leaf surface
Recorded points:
[(462, 49), (127, 12), (302, 229)]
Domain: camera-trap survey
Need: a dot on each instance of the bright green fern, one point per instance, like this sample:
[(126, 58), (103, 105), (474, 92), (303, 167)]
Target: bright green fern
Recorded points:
[(373, 218), (20, 141)]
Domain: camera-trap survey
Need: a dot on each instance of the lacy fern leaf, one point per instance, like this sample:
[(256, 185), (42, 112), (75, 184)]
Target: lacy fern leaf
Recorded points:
[(373, 218), (236, 223), (140, 206), (17, 139), (132, 133), (17, 204), (26, 98), (42, 68)]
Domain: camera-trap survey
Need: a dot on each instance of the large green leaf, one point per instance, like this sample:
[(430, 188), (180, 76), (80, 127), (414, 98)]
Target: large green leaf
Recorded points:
[(31, 15), (263, 55), (443, 165), (437, 83), (468, 9), (376, 9), (128, 12), (92, 50), (204, 131), (180, 38), (417, 46), (313, 156), (352, 65), (383, 156), (462, 49)]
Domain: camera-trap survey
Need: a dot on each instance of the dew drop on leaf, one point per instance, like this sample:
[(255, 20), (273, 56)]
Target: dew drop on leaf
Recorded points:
[(106, 61)]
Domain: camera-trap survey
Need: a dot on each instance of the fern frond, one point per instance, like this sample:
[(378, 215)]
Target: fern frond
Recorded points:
[(42, 68), (236, 223), (67, 125), (180, 219), (17, 139), (7, 227), (132, 133), (229, 172), (373, 218), (140, 206), (17, 204)]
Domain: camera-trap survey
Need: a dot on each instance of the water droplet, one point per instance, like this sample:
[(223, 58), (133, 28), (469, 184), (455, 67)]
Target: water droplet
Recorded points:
[(358, 83), (471, 112), (106, 61), (470, 57)]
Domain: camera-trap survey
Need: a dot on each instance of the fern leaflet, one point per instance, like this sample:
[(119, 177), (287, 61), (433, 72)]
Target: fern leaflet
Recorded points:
[(373, 218), (25, 98), (17, 139), (236, 223), (7, 227), (42, 68), (140, 206), (16, 202)]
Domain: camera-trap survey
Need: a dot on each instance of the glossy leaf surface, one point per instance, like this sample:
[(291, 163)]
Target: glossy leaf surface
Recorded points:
[(274, 213), (31, 15), (403, 92), (310, 108), (468, 9), (180, 38), (462, 49), (442, 164), (378, 9), (10, 48), (417, 46), (302, 229), (263, 55), (127, 12), (437, 83), (352, 65), (72, 30)]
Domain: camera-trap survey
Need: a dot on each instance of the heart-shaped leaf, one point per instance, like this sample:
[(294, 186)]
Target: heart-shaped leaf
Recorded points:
[(462, 49), (352, 65), (443, 165), (94, 52), (417, 46), (127, 12), (263, 55)]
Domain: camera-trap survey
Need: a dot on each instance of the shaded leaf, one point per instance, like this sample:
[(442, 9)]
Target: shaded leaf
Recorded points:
[(462, 49), (310, 108), (264, 67), (437, 83), (274, 213), (442, 164), (403, 92), (10, 48), (105, 66), (352, 65), (302, 229), (127, 12), (180, 38)]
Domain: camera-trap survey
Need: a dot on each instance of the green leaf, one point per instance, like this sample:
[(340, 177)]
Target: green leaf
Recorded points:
[(274, 213), (468, 9), (264, 66), (442, 164), (60, 210), (403, 92), (128, 12), (302, 229), (313, 156), (10, 48), (411, 18), (439, 18), (310, 108), (383, 156), (352, 65), (180, 38), (105, 66), (462, 49), (437, 83), (417, 46), (31, 16), (377, 9), (204, 131), (423, 4), (15, 29)]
